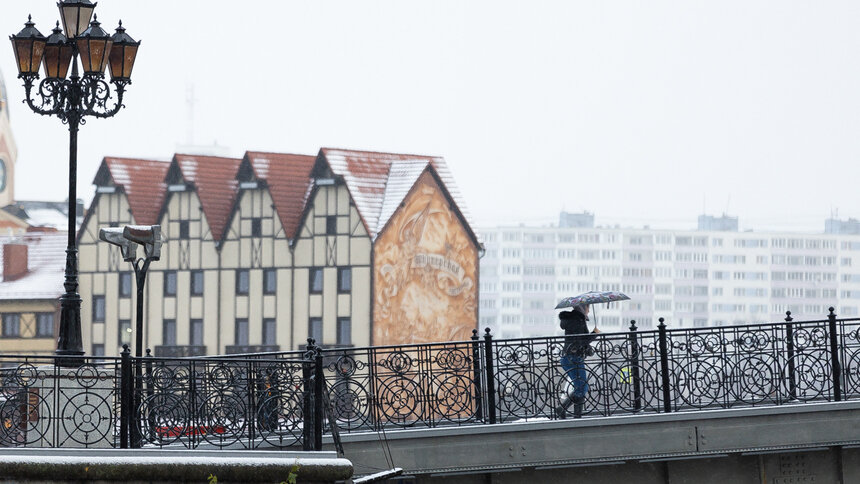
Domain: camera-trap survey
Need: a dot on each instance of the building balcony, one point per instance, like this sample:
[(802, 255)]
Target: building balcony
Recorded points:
[(180, 351), (240, 349)]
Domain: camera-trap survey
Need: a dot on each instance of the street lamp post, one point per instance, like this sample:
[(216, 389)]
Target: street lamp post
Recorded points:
[(72, 99)]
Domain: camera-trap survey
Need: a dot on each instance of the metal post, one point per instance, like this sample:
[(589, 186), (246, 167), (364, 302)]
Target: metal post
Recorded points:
[(490, 375), (318, 398), (140, 281), (125, 396), (69, 341), (836, 368), (664, 366), (476, 372), (252, 402), (633, 366), (789, 349), (307, 403)]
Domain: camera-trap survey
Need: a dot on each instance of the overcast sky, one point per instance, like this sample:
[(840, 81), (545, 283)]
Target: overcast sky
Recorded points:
[(644, 113)]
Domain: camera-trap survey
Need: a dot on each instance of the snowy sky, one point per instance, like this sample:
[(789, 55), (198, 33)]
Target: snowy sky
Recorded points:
[(644, 113)]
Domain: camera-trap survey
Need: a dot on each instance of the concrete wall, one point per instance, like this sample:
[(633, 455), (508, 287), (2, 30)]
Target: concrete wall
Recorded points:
[(776, 445)]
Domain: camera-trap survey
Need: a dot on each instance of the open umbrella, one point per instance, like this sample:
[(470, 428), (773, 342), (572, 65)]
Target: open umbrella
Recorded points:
[(592, 297)]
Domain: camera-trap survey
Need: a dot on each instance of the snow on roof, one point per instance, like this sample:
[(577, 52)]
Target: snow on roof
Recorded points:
[(289, 182), (367, 175), (215, 180), (46, 261)]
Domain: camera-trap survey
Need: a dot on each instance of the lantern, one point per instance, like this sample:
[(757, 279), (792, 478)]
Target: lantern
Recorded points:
[(76, 15), (122, 55), (94, 45), (58, 55), (29, 45)]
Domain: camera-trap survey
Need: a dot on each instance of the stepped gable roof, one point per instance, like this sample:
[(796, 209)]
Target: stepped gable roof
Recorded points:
[(46, 261), (289, 182), (142, 181), (214, 179), (378, 182)]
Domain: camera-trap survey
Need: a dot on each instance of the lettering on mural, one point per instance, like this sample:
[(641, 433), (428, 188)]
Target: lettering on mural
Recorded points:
[(450, 276)]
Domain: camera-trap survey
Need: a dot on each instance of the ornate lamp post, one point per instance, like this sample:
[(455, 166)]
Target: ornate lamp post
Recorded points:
[(72, 99)]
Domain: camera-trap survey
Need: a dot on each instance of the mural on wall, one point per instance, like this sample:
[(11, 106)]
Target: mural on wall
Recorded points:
[(425, 272)]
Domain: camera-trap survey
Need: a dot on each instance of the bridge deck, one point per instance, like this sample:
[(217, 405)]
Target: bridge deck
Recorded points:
[(544, 445)]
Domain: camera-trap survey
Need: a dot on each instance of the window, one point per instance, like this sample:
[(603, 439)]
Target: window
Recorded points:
[(98, 309), (196, 283), (256, 227), (243, 281), (270, 331), (170, 283), (11, 325), (241, 332), (331, 225), (124, 336), (315, 329), (270, 281), (168, 332), (316, 280), (344, 331), (98, 350), (44, 325), (196, 336), (183, 229), (125, 284), (344, 279)]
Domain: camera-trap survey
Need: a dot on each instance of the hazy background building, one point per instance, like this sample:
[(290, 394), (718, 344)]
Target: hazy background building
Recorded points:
[(712, 276)]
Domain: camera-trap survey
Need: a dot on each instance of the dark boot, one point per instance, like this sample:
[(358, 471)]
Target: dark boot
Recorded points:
[(578, 403), (561, 411)]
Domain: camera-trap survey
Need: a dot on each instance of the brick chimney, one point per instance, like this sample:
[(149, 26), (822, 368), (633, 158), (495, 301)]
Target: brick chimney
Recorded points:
[(14, 261)]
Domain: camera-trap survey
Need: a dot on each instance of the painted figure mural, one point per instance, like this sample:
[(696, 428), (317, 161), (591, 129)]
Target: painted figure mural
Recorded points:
[(425, 270)]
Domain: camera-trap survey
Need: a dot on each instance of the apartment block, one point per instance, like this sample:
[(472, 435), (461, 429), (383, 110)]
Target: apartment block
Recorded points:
[(692, 278)]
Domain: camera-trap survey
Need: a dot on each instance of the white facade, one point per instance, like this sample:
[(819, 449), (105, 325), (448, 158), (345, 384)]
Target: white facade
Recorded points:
[(690, 278)]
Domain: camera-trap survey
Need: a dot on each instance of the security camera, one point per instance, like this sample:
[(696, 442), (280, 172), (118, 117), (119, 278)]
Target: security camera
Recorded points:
[(114, 236), (149, 236)]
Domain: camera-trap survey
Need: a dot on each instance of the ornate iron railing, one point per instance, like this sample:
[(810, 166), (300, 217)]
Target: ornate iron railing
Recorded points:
[(46, 405), (176, 402), (280, 399)]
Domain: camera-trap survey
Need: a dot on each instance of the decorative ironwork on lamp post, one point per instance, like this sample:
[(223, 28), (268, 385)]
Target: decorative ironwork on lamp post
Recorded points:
[(73, 99)]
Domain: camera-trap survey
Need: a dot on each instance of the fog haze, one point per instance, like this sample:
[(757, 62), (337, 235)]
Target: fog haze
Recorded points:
[(644, 113)]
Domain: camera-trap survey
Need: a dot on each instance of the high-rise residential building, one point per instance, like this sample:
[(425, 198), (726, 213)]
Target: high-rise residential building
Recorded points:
[(692, 278)]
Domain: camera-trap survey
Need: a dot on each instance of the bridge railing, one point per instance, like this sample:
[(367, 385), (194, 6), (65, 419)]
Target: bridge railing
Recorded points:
[(235, 403), (279, 399)]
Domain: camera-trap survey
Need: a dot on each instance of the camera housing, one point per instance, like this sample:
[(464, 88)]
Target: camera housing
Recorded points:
[(149, 236), (114, 236)]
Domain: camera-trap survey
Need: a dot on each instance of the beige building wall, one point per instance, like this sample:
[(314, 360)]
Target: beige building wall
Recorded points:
[(332, 238), (100, 267), (188, 249), (28, 341), (255, 244)]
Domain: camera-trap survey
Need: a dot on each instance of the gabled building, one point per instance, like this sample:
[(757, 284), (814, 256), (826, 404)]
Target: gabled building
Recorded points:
[(262, 252), (30, 285)]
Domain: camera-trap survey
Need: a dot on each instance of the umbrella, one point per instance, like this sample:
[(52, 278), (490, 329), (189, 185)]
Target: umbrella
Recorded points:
[(592, 297)]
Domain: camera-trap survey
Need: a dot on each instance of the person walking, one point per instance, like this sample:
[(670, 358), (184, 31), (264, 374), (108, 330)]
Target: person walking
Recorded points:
[(577, 347)]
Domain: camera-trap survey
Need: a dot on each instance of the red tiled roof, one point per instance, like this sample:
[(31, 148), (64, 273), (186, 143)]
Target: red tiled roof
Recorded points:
[(378, 182), (143, 183), (288, 179), (215, 180)]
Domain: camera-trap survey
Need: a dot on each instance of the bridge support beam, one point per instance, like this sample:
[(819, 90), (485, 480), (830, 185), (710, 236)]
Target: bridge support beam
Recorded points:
[(738, 445)]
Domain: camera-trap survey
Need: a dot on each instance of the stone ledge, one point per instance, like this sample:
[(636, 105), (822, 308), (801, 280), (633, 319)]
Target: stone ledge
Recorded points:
[(128, 465)]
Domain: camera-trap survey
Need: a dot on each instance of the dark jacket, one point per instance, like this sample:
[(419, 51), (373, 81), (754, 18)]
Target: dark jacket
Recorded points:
[(576, 335)]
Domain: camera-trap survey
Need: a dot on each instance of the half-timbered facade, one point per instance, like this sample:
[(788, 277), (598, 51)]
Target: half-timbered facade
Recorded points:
[(263, 252)]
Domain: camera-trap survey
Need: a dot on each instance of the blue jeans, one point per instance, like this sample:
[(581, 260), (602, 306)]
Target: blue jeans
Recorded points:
[(574, 366)]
